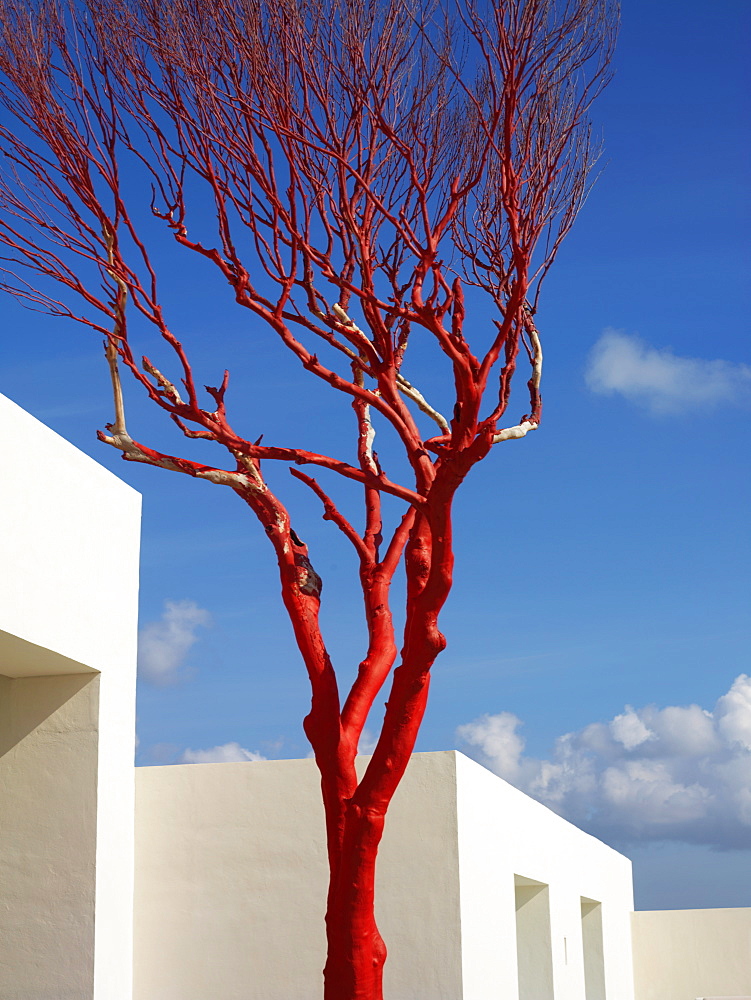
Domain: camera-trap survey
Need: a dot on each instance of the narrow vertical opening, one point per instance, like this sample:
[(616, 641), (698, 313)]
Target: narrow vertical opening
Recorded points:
[(594, 958), (533, 945)]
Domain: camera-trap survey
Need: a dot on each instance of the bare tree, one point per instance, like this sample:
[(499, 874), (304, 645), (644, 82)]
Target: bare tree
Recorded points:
[(366, 163)]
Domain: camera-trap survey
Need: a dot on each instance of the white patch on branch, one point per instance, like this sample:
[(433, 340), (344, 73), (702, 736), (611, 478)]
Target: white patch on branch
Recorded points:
[(404, 386), (223, 478), (369, 439), (164, 383), (253, 470), (416, 396), (537, 349), (133, 453), (346, 321), (511, 433), (344, 318)]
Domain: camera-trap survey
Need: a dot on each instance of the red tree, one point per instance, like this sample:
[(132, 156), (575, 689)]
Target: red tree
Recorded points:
[(366, 162)]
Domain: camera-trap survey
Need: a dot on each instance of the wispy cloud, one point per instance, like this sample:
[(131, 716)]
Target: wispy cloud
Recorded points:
[(164, 645), (81, 408), (661, 381), (677, 773), (367, 742), (228, 753)]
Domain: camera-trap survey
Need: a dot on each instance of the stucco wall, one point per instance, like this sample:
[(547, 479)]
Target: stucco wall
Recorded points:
[(69, 533), (683, 954), (473, 876), (231, 883), (48, 777), (508, 841)]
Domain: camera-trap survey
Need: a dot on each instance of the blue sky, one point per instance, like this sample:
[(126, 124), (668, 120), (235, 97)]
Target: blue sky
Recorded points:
[(602, 562)]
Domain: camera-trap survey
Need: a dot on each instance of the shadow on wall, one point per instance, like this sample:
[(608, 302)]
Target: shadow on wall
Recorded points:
[(48, 788), (533, 944), (27, 703)]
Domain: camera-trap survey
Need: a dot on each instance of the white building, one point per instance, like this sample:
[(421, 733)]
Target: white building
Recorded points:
[(483, 894), (472, 873), (69, 534)]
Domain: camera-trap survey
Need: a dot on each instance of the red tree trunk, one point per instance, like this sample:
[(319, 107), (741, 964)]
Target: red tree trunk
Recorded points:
[(356, 951)]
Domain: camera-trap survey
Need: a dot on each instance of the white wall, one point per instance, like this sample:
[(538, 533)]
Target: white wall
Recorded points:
[(48, 785), (534, 953), (504, 833), (231, 880), (683, 954), (69, 534)]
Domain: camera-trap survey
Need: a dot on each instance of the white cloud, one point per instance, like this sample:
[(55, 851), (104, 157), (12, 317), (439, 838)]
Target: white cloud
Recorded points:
[(660, 380), (734, 713), (497, 737), (163, 645), (629, 730), (228, 753), (367, 742), (676, 773)]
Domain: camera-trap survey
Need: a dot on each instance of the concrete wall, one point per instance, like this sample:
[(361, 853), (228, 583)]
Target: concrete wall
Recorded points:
[(683, 954), (69, 534), (537, 887), (474, 878), (48, 785), (231, 880)]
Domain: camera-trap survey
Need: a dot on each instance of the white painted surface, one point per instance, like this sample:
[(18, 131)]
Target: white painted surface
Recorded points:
[(594, 956), (26, 659), (48, 779), (534, 954), (69, 533), (692, 953), (232, 875), (231, 883), (502, 834)]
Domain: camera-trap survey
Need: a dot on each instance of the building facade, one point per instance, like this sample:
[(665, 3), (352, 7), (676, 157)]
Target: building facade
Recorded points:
[(483, 893), (69, 536)]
